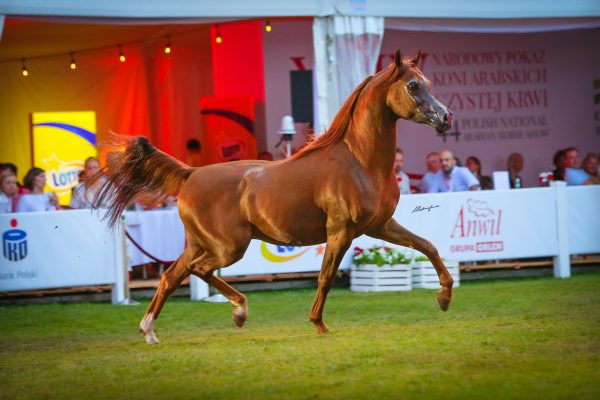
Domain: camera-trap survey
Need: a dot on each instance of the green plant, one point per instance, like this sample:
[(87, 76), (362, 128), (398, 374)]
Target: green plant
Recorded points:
[(380, 256)]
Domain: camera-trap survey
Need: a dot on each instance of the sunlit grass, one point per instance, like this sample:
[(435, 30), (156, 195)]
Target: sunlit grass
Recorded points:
[(527, 338)]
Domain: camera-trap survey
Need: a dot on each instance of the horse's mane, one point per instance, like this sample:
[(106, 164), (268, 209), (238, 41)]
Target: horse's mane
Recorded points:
[(341, 122)]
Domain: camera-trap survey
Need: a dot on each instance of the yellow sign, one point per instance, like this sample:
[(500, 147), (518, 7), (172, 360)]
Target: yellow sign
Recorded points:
[(61, 143)]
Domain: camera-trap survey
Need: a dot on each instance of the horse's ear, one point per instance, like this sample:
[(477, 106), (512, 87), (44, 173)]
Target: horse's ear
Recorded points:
[(398, 58), (415, 61)]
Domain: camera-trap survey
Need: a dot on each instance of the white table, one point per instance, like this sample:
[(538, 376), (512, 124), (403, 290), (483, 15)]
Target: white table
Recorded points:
[(158, 232)]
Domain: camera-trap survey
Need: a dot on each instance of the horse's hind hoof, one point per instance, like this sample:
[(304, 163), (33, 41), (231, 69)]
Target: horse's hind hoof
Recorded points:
[(444, 298), (240, 314)]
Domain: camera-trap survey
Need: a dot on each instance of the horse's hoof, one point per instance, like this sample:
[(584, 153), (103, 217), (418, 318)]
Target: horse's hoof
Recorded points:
[(321, 327), (444, 298), (239, 320), (240, 314), (147, 329), (150, 337)]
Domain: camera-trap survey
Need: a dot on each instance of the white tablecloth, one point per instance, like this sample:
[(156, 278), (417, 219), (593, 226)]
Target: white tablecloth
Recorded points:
[(159, 232)]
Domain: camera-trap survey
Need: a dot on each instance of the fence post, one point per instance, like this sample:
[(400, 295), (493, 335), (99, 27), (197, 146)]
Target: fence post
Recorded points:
[(198, 289), (562, 261), (120, 290)]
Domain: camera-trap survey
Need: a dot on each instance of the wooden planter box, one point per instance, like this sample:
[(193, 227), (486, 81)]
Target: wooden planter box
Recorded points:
[(371, 278), (424, 275)]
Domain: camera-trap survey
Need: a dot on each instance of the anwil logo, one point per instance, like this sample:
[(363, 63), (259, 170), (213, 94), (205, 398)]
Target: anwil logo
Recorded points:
[(14, 243), (480, 221)]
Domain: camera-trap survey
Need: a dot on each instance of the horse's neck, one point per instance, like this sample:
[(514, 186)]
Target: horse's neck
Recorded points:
[(372, 135)]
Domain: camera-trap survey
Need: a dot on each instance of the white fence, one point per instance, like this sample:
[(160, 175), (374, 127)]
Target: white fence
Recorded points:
[(42, 250), (71, 248)]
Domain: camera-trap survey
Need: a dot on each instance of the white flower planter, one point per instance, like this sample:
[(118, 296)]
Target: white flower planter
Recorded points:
[(424, 275), (371, 278)]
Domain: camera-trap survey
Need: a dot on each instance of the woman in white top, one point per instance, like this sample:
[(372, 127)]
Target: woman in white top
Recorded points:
[(8, 190), (82, 195), (36, 200)]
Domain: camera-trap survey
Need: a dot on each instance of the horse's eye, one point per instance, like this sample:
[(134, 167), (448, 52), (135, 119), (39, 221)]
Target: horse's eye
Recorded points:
[(413, 87)]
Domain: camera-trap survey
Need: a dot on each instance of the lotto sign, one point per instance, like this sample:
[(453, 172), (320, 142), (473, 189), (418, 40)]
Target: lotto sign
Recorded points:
[(61, 143)]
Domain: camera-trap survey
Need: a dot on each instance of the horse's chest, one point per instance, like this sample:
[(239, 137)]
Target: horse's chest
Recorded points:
[(367, 208)]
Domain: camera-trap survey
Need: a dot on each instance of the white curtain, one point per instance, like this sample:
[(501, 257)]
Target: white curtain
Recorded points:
[(346, 52)]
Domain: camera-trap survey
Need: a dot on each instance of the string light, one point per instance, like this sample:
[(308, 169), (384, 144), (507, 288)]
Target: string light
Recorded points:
[(73, 65), (121, 55), (168, 45), (218, 39), (268, 26), (25, 72)]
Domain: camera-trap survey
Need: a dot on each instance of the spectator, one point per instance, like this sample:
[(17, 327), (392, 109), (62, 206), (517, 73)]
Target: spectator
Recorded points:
[(452, 178), (194, 149), (401, 177), (574, 175), (8, 190), (433, 166), (572, 159), (474, 165), (265, 155), (13, 168), (514, 164), (590, 165), (36, 199), (560, 162), (82, 195)]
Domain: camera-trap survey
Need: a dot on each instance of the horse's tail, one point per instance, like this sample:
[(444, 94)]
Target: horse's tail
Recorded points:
[(139, 173)]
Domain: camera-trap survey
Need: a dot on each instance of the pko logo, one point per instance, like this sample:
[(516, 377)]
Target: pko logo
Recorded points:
[(14, 243)]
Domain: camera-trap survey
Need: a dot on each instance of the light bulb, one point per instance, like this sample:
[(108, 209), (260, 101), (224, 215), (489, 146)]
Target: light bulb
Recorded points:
[(73, 65), (121, 55)]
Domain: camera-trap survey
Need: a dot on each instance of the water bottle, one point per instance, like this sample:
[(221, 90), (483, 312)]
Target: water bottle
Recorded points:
[(517, 183)]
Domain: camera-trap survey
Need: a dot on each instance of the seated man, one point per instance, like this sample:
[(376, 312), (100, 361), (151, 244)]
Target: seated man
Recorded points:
[(433, 166), (452, 178)]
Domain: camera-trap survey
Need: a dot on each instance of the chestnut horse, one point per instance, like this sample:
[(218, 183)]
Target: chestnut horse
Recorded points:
[(337, 188)]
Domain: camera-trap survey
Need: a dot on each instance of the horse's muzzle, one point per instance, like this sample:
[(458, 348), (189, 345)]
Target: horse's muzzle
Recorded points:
[(444, 121)]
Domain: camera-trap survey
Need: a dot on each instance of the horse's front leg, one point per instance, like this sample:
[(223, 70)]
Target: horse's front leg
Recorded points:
[(337, 245), (393, 232)]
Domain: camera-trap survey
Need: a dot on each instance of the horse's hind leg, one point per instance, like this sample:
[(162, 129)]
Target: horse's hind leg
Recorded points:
[(170, 280), (237, 299), (204, 267), (393, 232)]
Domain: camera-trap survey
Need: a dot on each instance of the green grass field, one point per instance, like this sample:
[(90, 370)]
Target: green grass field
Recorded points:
[(524, 338)]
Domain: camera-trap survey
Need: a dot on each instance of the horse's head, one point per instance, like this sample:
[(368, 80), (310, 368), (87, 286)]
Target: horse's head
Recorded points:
[(410, 97)]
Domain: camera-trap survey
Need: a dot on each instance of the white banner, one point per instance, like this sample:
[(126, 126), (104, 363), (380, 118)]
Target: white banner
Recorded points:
[(583, 215), (484, 225), (56, 249), (465, 226)]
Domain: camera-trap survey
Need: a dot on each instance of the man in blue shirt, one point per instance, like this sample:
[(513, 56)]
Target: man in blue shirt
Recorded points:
[(433, 166), (452, 178)]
